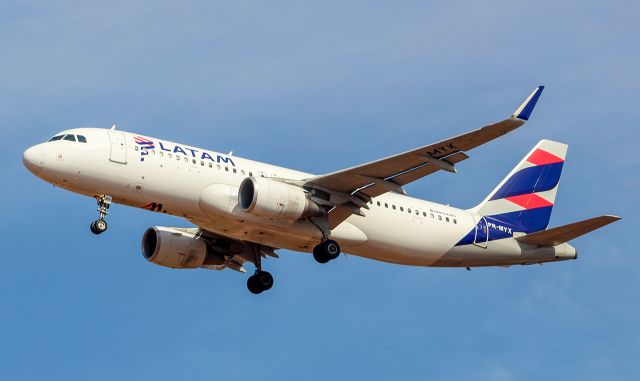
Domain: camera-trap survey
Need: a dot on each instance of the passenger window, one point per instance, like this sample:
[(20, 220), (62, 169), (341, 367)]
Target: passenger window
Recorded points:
[(386, 205), (202, 163), (234, 170), (447, 218), (440, 217), (186, 159), (219, 167), (226, 169), (454, 221), (401, 209), (178, 157), (432, 216), (153, 152), (193, 161), (424, 214), (409, 210), (136, 148), (169, 155), (59, 137), (250, 173), (161, 153), (210, 165), (242, 171), (70, 137), (378, 202), (393, 207), (82, 139), (417, 213)]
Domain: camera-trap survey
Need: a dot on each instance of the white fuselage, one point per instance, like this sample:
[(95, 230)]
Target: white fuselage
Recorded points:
[(169, 178)]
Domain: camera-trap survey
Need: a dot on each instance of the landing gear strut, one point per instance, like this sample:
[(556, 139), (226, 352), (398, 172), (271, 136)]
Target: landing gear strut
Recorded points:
[(261, 280), (326, 251), (100, 225)]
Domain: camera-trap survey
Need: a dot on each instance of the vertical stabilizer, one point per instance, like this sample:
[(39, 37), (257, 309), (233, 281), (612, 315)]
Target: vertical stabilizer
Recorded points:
[(525, 198)]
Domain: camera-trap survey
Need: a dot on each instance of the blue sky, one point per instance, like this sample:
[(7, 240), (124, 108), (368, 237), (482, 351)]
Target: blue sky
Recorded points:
[(318, 86)]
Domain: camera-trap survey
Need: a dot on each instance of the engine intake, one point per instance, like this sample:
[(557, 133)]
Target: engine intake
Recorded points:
[(275, 199), (178, 248)]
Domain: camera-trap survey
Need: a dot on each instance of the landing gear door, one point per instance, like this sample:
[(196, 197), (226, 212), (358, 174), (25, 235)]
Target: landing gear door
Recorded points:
[(118, 153), (481, 238)]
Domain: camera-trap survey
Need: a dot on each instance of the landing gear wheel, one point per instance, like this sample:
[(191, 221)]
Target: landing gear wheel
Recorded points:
[(99, 226), (259, 282), (331, 248), (319, 255), (253, 286), (326, 251)]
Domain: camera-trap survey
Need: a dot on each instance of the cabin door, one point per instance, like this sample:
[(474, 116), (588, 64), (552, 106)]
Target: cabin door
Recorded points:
[(482, 233), (118, 153)]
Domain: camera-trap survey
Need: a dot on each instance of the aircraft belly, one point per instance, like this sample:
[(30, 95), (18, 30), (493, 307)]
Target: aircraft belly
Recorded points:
[(402, 240), (504, 252)]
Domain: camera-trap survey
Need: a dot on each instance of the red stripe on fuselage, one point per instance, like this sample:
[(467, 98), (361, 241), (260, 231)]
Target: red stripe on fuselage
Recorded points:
[(540, 157), (529, 201)]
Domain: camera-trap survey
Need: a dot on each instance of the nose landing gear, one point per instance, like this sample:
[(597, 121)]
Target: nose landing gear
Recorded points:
[(100, 225)]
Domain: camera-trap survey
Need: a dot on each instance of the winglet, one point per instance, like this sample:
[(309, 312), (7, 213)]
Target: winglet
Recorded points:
[(524, 111)]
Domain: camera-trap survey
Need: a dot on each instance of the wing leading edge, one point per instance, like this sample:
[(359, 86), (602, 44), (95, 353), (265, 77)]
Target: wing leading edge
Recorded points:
[(390, 174)]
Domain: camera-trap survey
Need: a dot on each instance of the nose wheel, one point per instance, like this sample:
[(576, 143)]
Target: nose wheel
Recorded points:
[(326, 251), (99, 226)]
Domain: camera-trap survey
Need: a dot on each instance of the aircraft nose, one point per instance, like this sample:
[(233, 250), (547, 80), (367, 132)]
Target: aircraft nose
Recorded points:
[(33, 159)]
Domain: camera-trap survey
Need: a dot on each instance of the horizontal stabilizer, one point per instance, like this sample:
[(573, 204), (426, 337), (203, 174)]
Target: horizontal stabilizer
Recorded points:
[(562, 234)]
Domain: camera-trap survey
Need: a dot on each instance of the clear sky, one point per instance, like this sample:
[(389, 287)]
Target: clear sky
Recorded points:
[(318, 86)]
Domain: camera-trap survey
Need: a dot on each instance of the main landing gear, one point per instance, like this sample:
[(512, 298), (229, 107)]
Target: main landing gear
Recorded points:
[(261, 280), (326, 251), (100, 225)]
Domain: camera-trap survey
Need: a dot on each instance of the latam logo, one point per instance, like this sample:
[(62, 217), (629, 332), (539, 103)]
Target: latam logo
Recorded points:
[(146, 145)]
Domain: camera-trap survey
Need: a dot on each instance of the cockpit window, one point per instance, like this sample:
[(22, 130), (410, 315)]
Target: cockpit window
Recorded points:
[(58, 137), (70, 137), (82, 139)]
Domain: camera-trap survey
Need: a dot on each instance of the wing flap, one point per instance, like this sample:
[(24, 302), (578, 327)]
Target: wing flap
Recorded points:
[(562, 234)]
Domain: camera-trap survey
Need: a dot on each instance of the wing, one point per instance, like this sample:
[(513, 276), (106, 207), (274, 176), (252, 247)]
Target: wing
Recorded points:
[(235, 252), (359, 184)]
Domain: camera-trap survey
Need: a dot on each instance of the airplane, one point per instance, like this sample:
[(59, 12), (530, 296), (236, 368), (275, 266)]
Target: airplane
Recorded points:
[(245, 210)]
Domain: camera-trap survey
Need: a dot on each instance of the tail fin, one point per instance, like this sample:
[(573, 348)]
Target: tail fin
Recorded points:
[(524, 199)]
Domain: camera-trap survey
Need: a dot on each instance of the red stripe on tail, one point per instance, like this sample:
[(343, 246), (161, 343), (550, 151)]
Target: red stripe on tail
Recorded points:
[(529, 201), (540, 157)]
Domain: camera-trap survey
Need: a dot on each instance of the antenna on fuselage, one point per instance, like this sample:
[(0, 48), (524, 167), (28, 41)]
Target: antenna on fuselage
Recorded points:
[(230, 153), (113, 127)]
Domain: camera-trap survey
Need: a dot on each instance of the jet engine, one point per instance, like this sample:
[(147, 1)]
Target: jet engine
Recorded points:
[(276, 200), (178, 248)]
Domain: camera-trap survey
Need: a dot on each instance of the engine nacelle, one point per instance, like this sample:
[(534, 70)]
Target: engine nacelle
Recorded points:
[(177, 248), (274, 199)]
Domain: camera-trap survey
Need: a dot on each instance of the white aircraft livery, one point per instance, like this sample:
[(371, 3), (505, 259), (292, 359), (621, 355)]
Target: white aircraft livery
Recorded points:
[(245, 210)]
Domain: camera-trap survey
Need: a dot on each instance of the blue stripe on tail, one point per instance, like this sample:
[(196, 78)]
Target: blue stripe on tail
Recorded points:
[(530, 180), (504, 225)]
